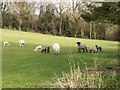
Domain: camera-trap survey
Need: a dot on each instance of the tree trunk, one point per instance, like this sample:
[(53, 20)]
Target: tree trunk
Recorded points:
[(90, 29), (94, 35), (20, 22), (82, 33), (76, 31), (60, 27), (76, 27), (119, 33), (53, 26), (19, 27), (1, 23), (94, 29)]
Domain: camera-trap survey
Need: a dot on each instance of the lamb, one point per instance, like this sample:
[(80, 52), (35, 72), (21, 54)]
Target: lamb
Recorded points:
[(21, 43), (56, 48), (38, 48), (5, 43), (93, 49), (45, 49), (81, 46), (99, 48)]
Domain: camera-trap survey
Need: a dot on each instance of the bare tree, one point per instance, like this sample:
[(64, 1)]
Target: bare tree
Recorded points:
[(60, 10), (5, 8), (22, 9), (76, 16), (1, 23)]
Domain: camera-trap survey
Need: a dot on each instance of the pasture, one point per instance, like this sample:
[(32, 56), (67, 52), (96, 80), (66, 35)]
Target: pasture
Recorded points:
[(24, 68)]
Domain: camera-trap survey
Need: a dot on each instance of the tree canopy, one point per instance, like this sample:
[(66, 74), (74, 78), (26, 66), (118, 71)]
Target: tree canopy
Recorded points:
[(95, 20)]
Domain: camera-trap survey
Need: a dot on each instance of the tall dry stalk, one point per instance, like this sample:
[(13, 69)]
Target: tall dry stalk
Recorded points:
[(77, 78)]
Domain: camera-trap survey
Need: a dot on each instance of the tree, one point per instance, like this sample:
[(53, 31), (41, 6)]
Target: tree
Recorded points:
[(59, 8), (107, 11), (22, 9), (8, 18), (88, 17), (66, 26), (46, 18), (77, 9), (1, 23), (49, 16), (4, 10)]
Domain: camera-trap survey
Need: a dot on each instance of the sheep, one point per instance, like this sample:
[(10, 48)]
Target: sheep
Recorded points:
[(45, 49), (99, 48), (21, 43), (56, 48), (5, 43), (38, 48), (93, 49), (81, 46)]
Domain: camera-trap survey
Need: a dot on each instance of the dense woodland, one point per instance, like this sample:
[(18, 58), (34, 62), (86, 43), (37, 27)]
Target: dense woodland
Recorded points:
[(92, 20)]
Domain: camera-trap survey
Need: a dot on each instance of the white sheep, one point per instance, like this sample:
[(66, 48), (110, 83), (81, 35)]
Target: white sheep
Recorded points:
[(21, 43), (92, 49), (38, 48), (5, 43), (56, 48)]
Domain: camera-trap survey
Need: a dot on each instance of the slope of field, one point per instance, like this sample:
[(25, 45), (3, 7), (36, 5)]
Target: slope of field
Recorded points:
[(22, 67)]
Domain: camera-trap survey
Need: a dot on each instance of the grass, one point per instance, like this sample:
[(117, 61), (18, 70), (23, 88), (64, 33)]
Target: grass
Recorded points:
[(90, 77), (22, 67)]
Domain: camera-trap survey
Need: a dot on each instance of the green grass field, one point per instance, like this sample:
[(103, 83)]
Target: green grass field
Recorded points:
[(22, 67)]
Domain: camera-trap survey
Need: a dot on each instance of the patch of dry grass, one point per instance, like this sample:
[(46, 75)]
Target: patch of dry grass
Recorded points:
[(87, 78)]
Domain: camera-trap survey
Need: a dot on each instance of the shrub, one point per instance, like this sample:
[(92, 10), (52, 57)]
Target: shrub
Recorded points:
[(86, 78)]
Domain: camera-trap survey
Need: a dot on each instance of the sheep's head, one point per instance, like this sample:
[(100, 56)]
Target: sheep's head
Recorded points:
[(96, 46), (57, 51), (78, 43)]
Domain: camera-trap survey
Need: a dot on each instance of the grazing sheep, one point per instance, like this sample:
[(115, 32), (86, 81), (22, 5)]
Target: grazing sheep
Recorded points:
[(38, 48), (99, 48), (56, 48), (45, 49), (81, 46), (93, 49), (21, 43), (5, 43)]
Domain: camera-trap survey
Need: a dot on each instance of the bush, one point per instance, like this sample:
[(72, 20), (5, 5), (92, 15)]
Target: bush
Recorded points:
[(87, 78)]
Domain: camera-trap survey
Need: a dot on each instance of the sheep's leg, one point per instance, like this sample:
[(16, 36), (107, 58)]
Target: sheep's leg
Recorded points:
[(79, 50), (86, 50), (48, 50), (55, 52), (83, 50), (97, 49), (45, 50), (90, 51), (42, 51)]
